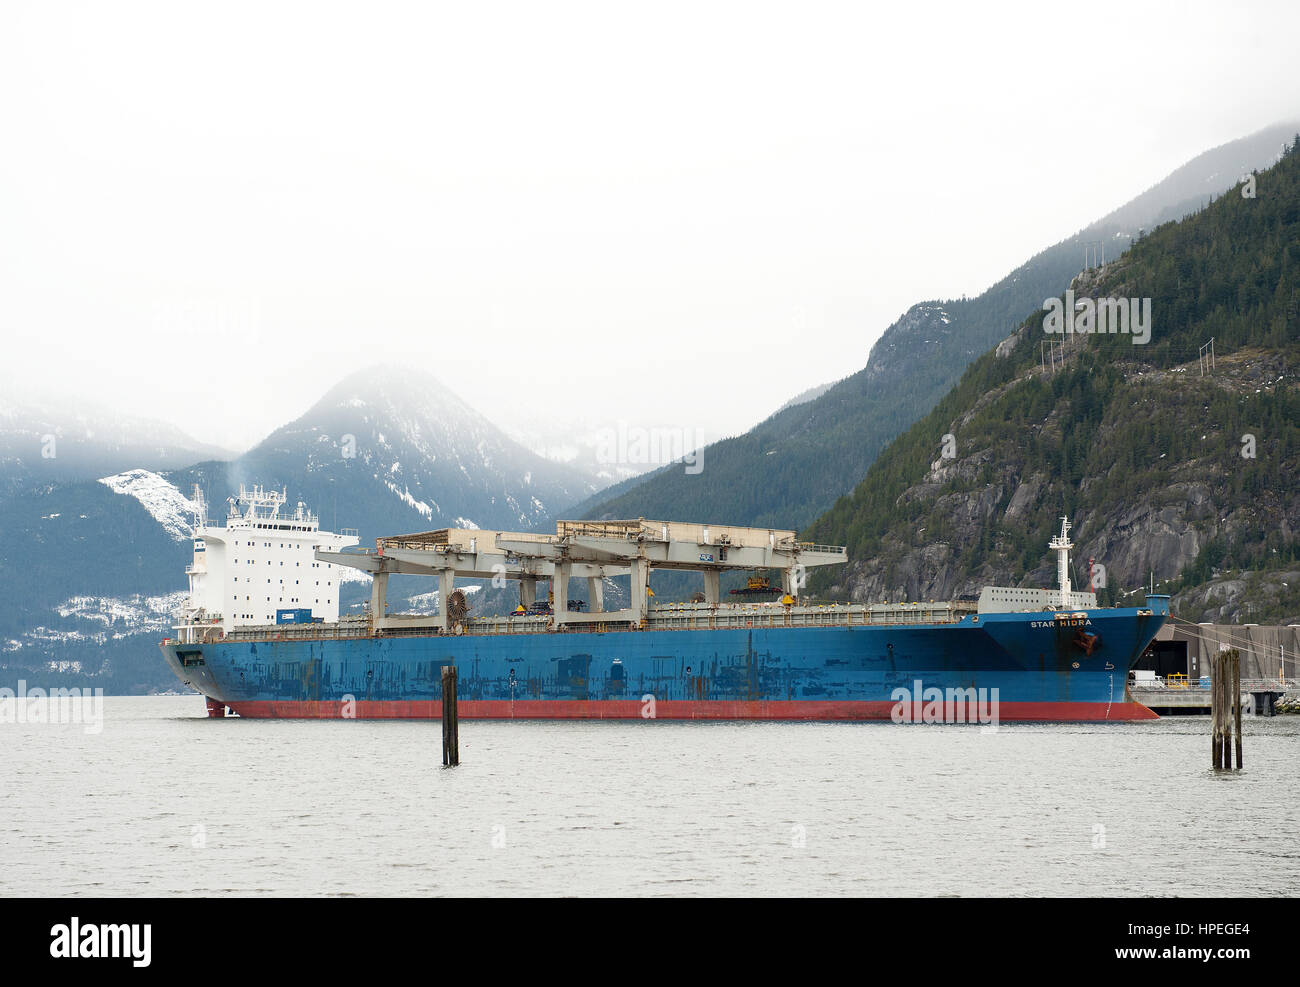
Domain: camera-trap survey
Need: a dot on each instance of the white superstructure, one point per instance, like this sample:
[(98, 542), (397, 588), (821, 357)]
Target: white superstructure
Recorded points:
[(260, 562)]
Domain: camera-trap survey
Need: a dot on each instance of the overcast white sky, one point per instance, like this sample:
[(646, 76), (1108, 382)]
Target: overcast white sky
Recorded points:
[(677, 214)]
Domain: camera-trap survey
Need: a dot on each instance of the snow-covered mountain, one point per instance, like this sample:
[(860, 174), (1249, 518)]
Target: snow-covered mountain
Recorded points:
[(88, 575), (390, 449), (47, 441), (173, 511)]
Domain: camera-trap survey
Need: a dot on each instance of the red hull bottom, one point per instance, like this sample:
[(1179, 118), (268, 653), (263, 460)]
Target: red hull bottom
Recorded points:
[(577, 709)]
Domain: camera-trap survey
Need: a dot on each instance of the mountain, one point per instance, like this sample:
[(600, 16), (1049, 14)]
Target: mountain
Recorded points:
[(390, 449), (92, 570), (43, 441), (1170, 469), (85, 572), (789, 469)]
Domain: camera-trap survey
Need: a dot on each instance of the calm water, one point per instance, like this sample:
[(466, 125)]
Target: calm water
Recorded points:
[(166, 801)]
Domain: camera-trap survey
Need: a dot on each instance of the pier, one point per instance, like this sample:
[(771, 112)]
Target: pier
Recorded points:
[(1176, 695)]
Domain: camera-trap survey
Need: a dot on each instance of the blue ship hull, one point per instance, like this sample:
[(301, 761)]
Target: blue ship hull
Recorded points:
[(1010, 666)]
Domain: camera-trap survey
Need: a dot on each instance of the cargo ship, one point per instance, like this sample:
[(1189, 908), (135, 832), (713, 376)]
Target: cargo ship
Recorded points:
[(1013, 655)]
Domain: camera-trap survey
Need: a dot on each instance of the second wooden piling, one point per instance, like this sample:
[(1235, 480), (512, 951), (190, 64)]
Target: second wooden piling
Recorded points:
[(450, 721), (1216, 713), (1236, 701)]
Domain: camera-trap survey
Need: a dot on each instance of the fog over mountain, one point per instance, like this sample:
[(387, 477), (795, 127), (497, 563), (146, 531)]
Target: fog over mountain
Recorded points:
[(47, 438)]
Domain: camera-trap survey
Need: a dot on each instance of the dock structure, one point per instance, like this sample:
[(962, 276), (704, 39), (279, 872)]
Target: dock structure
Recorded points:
[(1177, 695), (591, 550), (1182, 656), (1268, 651)]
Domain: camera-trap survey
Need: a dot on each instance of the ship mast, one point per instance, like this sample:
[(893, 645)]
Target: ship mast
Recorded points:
[(200, 509), (262, 503), (1061, 545)]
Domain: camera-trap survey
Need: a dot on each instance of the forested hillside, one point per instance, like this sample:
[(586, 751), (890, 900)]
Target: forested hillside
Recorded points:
[(1195, 479)]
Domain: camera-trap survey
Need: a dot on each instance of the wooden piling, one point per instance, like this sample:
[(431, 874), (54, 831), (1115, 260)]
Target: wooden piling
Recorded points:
[(450, 721), (1225, 708)]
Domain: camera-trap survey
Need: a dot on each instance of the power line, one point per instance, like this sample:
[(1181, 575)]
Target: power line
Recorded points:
[(1257, 648)]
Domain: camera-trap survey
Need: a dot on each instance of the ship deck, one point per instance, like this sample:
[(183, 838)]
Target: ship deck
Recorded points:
[(683, 616)]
